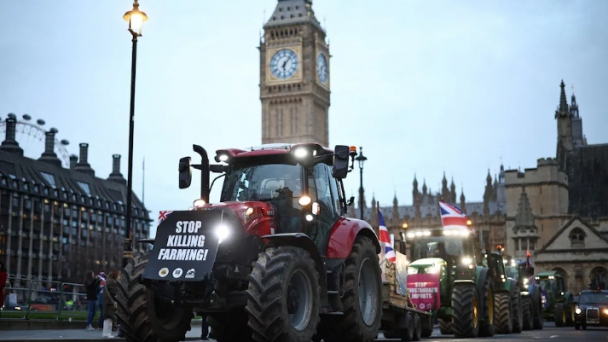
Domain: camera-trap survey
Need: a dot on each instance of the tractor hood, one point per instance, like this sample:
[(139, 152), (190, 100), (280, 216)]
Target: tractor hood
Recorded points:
[(257, 217)]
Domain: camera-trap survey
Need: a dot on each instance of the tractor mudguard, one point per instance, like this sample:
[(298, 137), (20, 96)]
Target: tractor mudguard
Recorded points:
[(303, 241), (343, 235), (482, 274)]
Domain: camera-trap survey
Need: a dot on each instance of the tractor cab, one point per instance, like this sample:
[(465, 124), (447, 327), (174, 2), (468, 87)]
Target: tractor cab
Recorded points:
[(297, 187)]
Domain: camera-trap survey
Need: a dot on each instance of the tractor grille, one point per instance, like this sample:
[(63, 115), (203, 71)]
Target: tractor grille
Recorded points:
[(593, 313)]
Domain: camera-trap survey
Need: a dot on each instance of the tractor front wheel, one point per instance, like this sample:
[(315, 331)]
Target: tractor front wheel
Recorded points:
[(445, 327), (528, 319), (362, 299), (504, 321), (560, 315), (537, 312), (518, 315), (143, 316), (283, 296), (465, 311)]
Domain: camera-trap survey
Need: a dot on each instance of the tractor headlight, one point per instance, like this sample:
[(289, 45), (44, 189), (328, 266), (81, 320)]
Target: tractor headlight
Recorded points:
[(577, 310), (411, 235), (300, 152), (526, 281), (222, 232), (304, 200), (467, 261), (199, 203)]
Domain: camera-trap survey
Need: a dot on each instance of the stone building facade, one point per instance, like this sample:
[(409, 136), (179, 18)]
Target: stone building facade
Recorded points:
[(57, 223)]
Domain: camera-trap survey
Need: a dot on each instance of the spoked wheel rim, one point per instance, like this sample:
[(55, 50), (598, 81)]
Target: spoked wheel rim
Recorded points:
[(299, 300), (368, 289), (475, 313)]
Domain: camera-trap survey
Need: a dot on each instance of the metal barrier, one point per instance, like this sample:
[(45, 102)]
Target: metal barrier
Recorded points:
[(29, 298)]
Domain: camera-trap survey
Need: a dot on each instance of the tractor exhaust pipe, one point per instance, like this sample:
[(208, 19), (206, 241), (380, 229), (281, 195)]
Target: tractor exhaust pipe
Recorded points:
[(204, 172)]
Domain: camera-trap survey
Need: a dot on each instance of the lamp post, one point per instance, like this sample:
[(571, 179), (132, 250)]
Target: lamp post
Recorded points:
[(135, 18), (361, 159)]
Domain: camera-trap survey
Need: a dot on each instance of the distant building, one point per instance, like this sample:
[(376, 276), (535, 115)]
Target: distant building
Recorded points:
[(559, 210), (57, 223)]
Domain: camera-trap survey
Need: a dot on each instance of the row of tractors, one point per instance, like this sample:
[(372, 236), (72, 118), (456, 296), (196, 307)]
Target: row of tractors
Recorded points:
[(277, 259)]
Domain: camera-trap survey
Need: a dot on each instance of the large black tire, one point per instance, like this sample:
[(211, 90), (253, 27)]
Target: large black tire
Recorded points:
[(528, 317), (283, 297), (417, 327), (487, 326), (362, 276), (559, 315), (465, 308), (537, 312), (427, 326), (149, 319), (230, 327), (445, 327), (502, 314), (569, 308), (518, 315)]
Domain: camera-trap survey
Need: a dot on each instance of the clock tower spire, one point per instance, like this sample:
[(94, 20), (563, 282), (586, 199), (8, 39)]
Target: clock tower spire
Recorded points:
[(294, 76)]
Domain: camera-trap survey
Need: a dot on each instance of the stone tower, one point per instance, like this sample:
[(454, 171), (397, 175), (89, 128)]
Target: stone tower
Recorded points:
[(294, 76), (563, 115)]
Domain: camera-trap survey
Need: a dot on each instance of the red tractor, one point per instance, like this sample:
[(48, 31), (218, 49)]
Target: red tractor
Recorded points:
[(275, 260)]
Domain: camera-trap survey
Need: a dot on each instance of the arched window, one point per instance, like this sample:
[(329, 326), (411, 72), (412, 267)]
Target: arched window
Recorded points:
[(577, 238), (599, 278)]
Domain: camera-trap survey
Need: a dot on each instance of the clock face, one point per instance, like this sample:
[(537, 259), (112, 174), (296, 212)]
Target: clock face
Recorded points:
[(322, 68), (284, 64)]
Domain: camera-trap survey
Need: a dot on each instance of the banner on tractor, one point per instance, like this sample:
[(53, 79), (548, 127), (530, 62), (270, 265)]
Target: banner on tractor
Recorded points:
[(424, 291), (185, 246)]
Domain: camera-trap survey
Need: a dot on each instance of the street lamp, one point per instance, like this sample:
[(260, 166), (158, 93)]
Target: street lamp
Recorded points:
[(361, 159), (135, 17)]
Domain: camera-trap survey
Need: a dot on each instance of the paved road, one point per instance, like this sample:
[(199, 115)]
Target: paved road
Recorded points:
[(550, 332)]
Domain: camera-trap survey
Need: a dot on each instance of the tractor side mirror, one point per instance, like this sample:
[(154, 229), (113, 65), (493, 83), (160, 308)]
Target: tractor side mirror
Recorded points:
[(340, 167), (185, 173)]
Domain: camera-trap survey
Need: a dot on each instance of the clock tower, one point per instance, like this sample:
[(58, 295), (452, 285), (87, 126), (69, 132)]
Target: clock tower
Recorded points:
[(294, 76)]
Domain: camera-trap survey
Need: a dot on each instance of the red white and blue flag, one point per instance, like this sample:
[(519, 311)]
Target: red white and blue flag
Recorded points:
[(451, 216), (162, 215), (385, 239)]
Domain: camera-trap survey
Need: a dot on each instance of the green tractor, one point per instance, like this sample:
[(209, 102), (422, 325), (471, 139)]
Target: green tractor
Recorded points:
[(471, 296), (558, 303), (531, 299), (508, 313)]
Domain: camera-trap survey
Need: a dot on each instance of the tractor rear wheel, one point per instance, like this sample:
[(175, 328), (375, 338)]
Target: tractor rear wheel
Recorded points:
[(518, 315), (445, 327), (528, 322), (362, 299), (504, 322), (417, 327), (465, 311), (283, 296), (427, 325), (560, 315), (150, 318), (230, 327), (486, 326)]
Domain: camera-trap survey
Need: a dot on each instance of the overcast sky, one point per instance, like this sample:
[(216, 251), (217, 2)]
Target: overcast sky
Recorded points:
[(424, 86)]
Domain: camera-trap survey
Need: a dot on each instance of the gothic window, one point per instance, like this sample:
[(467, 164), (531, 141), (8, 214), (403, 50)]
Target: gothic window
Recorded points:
[(577, 238)]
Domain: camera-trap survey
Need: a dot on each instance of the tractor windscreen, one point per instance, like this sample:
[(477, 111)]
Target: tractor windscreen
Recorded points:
[(449, 249), (265, 182), (548, 285)]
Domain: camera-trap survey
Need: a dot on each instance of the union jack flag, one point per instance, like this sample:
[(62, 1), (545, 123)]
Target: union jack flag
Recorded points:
[(162, 215), (451, 216), (385, 239)]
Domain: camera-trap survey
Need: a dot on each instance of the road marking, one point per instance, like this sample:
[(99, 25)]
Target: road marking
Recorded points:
[(554, 336)]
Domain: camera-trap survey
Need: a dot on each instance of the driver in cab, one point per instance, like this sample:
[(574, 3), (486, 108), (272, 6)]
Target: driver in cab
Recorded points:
[(289, 213)]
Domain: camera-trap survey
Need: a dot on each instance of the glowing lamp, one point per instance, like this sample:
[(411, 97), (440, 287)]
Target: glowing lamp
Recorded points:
[(135, 17)]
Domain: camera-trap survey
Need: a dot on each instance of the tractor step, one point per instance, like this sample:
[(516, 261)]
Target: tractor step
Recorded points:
[(333, 293)]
